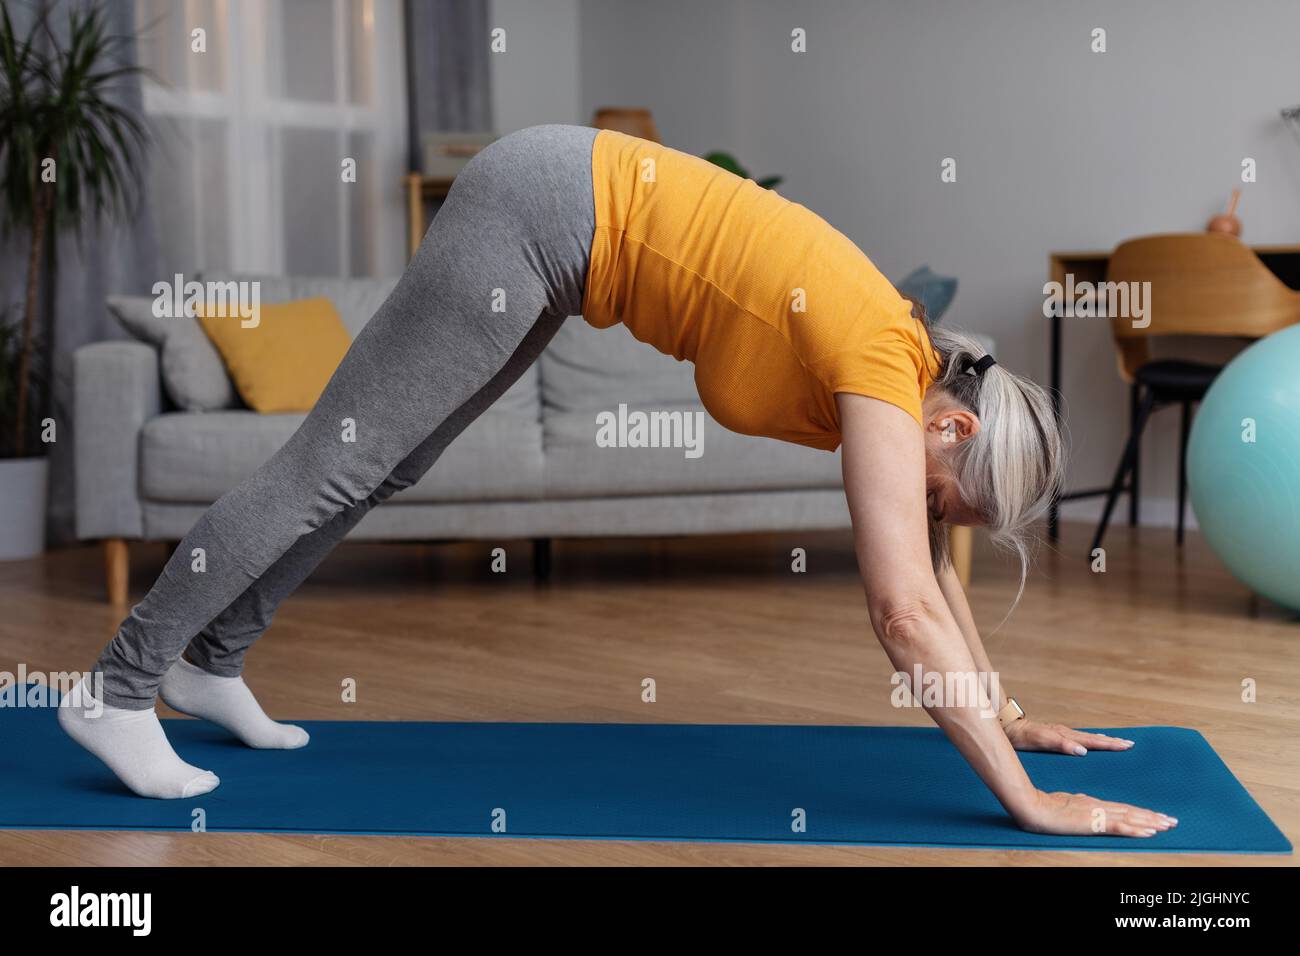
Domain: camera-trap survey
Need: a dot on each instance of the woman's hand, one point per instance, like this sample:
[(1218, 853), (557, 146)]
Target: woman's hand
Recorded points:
[(1059, 739), (1078, 814)]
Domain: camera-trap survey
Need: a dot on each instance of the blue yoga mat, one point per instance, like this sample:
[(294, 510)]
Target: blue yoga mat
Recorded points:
[(902, 786)]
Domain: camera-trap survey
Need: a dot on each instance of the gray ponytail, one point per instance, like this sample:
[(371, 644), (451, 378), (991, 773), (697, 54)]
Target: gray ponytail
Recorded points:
[(1011, 469)]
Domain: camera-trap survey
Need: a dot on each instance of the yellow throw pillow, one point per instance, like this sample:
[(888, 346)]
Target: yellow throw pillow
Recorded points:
[(282, 363)]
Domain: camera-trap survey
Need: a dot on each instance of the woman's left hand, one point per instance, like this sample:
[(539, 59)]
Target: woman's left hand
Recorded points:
[(1057, 738)]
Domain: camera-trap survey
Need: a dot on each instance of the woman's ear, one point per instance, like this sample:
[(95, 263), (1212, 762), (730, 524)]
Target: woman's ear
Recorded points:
[(954, 425)]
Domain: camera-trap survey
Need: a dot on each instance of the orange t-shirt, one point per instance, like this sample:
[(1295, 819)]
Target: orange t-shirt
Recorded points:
[(777, 309)]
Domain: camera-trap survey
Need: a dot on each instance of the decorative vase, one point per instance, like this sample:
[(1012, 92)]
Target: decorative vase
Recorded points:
[(1228, 223), (631, 120)]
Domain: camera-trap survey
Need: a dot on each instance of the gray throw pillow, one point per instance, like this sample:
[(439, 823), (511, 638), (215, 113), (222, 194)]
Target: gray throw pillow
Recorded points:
[(192, 372)]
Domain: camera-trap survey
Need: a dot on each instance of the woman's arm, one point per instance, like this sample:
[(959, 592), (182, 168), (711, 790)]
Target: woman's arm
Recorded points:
[(955, 598), (884, 479), (1025, 734)]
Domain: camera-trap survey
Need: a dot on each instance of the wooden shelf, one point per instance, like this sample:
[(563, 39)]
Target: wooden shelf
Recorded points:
[(420, 191)]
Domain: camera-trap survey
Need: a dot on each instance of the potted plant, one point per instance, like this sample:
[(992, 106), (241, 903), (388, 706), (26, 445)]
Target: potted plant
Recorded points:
[(22, 478), (66, 153), (731, 165)]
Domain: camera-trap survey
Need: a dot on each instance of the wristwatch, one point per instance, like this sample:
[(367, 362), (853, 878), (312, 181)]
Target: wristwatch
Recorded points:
[(1009, 714)]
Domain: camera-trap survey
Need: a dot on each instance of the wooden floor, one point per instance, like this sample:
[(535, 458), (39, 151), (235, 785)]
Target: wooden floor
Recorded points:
[(730, 635)]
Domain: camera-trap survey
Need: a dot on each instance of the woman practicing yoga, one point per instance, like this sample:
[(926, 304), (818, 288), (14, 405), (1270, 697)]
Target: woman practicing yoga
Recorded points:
[(794, 335)]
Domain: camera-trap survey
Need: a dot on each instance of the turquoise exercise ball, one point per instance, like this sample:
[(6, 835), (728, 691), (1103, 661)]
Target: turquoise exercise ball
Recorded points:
[(1243, 467)]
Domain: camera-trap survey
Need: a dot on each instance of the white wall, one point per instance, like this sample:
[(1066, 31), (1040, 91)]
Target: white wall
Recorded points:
[(536, 79), (679, 58), (1056, 147)]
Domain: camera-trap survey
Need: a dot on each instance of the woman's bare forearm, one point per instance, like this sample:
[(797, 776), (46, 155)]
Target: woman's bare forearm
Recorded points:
[(955, 597), (924, 636)]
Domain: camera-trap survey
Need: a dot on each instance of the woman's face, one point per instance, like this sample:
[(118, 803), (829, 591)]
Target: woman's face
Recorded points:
[(947, 425)]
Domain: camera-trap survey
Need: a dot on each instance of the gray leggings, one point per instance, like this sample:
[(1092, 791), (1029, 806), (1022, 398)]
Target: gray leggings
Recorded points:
[(515, 234)]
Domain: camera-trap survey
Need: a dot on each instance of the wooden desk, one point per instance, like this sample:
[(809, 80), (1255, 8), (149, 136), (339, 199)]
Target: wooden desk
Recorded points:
[(1283, 261)]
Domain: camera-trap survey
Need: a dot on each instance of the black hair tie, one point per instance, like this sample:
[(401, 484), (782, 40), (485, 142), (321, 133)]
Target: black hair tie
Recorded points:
[(982, 365)]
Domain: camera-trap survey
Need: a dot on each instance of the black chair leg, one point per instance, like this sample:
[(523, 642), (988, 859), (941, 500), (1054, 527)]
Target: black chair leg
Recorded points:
[(1182, 466), (541, 559), (1126, 463), (1134, 406)]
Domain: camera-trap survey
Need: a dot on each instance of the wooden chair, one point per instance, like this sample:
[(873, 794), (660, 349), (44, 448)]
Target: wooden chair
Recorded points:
[(1201, 284)]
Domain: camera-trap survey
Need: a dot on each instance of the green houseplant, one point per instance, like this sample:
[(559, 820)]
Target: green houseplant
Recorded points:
[(731, 165), (66, 154)]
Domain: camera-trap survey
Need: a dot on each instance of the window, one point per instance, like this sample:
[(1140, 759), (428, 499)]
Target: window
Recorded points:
[(251, 134)]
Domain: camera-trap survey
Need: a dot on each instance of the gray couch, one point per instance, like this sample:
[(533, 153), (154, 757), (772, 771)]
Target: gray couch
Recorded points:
[(528, 469)]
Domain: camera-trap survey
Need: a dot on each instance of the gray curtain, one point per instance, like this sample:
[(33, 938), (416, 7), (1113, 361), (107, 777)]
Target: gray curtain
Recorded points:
[(447, 66), (83, 266)]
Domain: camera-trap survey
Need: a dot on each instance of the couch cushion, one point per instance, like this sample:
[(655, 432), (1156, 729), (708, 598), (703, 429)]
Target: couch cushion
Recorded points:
[(191, 370), (199, 457), (933, 291), (357, 300), (588, 369), (284, 361), (576, 466)]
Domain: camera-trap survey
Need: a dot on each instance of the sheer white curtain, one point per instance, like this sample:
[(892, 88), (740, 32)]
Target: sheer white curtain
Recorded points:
[(252, 135)]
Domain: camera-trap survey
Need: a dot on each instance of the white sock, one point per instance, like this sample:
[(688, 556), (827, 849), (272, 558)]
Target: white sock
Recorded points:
[(133, 745), (227, 702)]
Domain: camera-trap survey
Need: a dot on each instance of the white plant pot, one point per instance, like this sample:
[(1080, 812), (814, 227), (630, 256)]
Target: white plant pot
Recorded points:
[(22, 507)]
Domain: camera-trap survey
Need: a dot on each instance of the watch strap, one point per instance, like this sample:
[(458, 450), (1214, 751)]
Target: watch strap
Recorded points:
[(1010, 713)]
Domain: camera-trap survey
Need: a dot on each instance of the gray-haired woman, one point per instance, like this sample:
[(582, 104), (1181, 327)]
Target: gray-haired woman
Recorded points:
[(794, 335)]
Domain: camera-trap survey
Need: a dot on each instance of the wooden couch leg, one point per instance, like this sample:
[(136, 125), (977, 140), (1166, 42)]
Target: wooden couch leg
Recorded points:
[(959, 540), (117, 568)]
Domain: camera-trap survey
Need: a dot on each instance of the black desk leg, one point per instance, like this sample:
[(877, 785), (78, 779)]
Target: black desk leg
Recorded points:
[(1053, 518), (1134, 409)]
